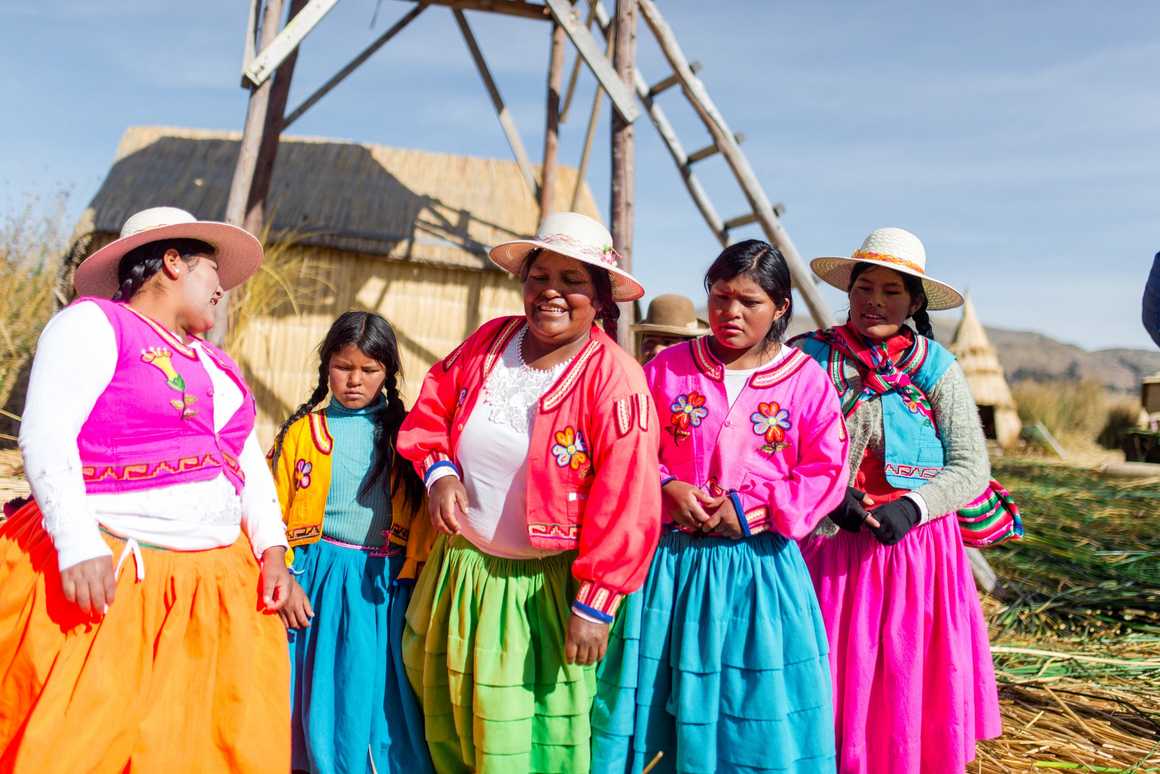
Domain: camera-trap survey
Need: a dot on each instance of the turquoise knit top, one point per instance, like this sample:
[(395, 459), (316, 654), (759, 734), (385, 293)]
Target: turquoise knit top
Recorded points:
[(353, 517)]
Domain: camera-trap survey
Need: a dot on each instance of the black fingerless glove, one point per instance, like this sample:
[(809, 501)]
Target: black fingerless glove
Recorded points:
[(895, 520), (850, 513)]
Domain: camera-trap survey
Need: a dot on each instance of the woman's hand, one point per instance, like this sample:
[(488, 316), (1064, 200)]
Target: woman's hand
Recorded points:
[(851, 513), (687, 505), (446, 502), (275, 579), (297, 612), (90, 585), (586, 642), (725, 521)]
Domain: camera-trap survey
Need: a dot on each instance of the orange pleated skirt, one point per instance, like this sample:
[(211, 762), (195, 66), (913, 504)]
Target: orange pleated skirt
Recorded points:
[(183, 674)]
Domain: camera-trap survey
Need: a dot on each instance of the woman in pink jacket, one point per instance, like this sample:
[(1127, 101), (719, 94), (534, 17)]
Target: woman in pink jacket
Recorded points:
[(720, 661), (538, 442)]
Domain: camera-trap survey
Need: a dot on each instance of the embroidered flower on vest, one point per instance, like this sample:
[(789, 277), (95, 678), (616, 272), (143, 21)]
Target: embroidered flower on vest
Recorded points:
[(770, 421), (162, 359), (302, 470), (570, 449), (688, 411)]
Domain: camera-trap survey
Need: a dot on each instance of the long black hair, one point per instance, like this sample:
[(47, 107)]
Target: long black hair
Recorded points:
[(913, 286), (373, 335), (765, 265), (606, 309), (143, 261)]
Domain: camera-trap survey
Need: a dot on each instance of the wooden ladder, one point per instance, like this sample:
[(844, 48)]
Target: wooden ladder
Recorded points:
[(724, 142)]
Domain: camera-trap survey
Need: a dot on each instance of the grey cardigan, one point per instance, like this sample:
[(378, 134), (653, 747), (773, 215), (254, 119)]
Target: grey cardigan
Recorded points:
[(967, 469)]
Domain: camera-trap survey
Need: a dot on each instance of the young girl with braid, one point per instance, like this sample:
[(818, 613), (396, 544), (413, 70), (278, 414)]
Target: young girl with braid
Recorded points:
[(349, 502)]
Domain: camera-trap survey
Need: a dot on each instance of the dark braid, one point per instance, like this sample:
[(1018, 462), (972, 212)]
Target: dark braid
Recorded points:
[(143, 261), (913, 287), (402, 474), (315, 398)]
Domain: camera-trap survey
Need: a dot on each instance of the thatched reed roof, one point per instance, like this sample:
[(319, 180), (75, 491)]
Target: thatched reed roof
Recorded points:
[(979, 362), (402, 204)]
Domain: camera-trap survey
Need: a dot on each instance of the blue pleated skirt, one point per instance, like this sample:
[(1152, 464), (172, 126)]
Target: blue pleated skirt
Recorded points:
[(350, 697), (720, 662)]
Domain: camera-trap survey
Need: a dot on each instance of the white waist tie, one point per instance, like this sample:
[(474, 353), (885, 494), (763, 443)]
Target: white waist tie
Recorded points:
[(134, 548)]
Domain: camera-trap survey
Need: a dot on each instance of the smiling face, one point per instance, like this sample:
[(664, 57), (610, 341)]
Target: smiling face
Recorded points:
[(559, 299), (880, 303), (741, 313), (198, 289), (355, 379)]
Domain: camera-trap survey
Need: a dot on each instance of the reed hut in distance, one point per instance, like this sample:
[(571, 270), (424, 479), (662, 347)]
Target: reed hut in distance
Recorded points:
[(985, 377), (351, 226)]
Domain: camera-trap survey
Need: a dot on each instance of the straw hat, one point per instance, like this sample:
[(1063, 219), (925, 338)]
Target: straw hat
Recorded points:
[(237, 252), (894, 248), (576, 236), (672, 315)]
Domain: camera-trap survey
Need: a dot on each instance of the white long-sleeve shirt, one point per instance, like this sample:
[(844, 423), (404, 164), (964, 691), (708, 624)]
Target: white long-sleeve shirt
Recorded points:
[(76, 358)]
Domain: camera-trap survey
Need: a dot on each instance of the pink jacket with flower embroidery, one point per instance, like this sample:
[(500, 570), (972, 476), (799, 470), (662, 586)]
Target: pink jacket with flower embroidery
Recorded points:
[(779, 451), (593, 481)]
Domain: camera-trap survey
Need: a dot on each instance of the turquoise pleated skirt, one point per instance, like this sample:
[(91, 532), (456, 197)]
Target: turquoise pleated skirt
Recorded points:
[(351, 701), (720, 662)]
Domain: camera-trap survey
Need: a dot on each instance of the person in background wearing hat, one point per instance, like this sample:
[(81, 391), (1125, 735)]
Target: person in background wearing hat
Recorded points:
[(670, 320), (914, 686), (136, 620), (538, 442)]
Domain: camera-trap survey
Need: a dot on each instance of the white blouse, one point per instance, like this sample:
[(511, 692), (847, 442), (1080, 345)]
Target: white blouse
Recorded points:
[(76, 358)]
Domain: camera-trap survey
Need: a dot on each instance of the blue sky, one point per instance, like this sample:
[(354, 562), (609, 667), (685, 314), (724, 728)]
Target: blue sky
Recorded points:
[(1019, 140)]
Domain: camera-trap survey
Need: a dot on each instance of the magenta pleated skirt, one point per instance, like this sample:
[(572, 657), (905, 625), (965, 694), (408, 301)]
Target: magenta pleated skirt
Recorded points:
[(914, 685)]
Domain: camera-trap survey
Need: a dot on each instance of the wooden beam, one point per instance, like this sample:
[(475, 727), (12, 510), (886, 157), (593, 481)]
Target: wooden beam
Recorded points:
[(669, 135), (255, 219), (285, 43), (506, 122), (711, 150), (698, 97), (552, 121), (589, 134), (623, 155), (664, 84), (248, 156), (249, 50), (354, 64), (574, 76), (581, 37), (506, 7)]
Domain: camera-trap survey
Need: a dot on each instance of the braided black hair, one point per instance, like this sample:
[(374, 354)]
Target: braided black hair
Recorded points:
[(913, 287), (765, 265), (606, 309), (373, 335), (143, 261)]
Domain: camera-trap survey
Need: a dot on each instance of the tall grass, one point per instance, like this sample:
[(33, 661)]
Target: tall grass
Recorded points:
[(33, 241)]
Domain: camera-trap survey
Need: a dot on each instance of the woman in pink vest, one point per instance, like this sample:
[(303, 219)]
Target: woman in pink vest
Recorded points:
[(137, 588), (538, 443)]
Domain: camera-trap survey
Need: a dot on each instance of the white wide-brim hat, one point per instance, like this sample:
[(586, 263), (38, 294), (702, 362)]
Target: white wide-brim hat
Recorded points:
[(575, 236), (894, 248), (236, 251)]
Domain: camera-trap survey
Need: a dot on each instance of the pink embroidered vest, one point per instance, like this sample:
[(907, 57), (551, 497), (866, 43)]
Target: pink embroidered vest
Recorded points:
[(153, 425)]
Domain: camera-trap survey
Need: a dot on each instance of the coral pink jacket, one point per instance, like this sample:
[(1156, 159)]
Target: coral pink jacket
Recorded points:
[(779, 451), (593, 480)]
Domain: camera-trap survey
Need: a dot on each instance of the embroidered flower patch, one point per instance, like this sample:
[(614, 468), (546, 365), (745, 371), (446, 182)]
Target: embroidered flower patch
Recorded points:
[(688, 412), (770, 421), (570, 450), (162, 359), (302, 470)]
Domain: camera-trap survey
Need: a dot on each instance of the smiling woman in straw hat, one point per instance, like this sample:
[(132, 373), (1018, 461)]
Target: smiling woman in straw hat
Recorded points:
[(538, 444), (671, 319), (914, 687), (132, 627)]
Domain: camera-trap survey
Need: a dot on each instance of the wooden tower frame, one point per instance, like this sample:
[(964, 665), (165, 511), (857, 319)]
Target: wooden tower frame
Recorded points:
[(271, 50)]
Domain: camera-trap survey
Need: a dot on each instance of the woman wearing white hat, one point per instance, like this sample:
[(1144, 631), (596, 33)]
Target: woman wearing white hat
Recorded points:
[(538, 440), (135, 625), (914, 687)]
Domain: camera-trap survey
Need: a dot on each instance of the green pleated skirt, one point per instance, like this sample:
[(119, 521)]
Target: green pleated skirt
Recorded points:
[(484, 651)]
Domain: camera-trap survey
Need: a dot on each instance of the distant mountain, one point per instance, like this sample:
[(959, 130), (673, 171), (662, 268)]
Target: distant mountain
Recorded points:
[(1034, 356)]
